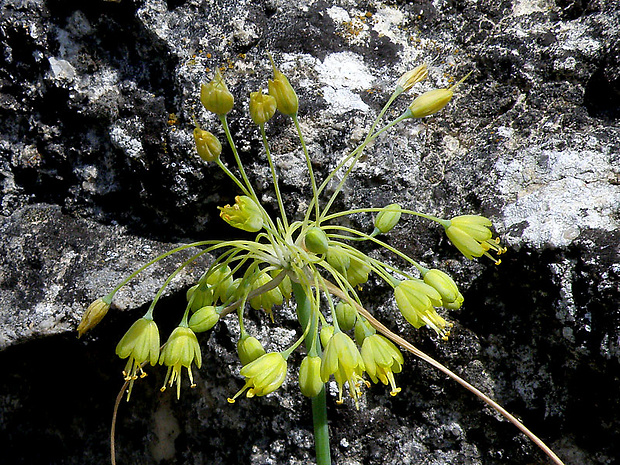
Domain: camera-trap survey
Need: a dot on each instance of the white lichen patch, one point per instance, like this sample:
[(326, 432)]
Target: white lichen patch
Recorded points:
[(343, 76), (559, 193)]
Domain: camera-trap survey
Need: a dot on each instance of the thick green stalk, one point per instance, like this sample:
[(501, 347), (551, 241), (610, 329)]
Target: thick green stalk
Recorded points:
[(319, 405)]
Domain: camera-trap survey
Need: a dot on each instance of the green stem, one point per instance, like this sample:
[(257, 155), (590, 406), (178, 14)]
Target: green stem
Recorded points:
[(319, 404)]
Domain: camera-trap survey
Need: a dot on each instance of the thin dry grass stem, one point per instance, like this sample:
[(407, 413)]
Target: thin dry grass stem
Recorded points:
[(418, 353)]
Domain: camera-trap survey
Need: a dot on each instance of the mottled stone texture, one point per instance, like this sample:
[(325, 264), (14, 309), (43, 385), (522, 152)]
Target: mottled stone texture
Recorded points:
[(98, 175)]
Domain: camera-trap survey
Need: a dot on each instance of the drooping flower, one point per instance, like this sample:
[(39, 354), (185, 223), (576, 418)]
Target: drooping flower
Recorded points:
[(93, 315), (249, 349), (181, 350), (343, 360), (451, 297), (140, 344), (382, 359), (432, 101), (472, 236), (416, 301), (263, 376)]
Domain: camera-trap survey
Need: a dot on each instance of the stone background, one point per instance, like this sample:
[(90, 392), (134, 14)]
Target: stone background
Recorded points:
[(98, 175)]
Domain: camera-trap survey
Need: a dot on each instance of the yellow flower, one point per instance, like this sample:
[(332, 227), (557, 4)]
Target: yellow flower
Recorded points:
[(451, 297), (472, 236), (263, 376), (181, 350), (382, 359), (342, 359), (140, 344), (416, 301), (215, 96), (244, 214), (92, 316)]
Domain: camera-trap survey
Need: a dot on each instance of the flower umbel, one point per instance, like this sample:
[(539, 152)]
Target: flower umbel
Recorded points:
[(263, 376), (180, 351), (140, 344), (472, 236)]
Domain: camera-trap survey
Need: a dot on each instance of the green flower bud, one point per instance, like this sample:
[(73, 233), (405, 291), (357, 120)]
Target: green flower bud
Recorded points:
[(316, 241), (244, 214), (203, 296), (283, 92), (249, 349), (204, 319), (220, 279), (262, 107), (92, 316), (346, 315), (363, 329), (357, 273), (215, 95), (310, 381), (268, 299), (207, 145), (387, 218), (451, 297), (325, 334), (338, 258)]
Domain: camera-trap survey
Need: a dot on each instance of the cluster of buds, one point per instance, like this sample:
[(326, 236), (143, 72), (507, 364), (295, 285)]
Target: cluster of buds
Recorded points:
[(306, 258)]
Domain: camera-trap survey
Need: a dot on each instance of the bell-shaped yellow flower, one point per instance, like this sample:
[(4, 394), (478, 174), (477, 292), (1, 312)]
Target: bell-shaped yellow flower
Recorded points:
[(416, 301), (472, 236), (244, 214), (343, 360), (382, 359), (263, 376), (181, 350), (451, 297), (140, 344)]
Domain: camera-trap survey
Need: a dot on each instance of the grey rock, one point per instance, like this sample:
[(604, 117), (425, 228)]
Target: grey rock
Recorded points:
[(98, 175)]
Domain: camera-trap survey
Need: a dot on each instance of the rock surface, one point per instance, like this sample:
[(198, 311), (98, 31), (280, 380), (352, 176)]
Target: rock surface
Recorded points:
[(98, 175)]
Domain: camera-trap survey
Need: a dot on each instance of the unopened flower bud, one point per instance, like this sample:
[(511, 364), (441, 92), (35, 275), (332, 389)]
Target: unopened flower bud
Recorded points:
[(362, 330), (387, 218), (432, 101), (207, 145), (204, 319), (249, 349), (346, 315), (262, 107), (412, 77), (326, 334), (244, 214), (215, 96), (310, 381), (357, 273), (338, 258), (451, 297), (283, 92), (316, 241), (92, 316)]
